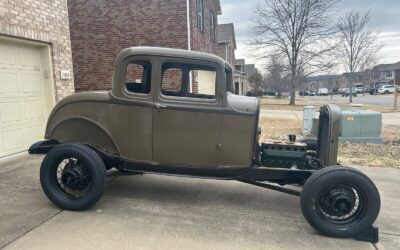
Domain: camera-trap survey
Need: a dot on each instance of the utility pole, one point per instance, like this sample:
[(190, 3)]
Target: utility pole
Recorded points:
[(395, 92)]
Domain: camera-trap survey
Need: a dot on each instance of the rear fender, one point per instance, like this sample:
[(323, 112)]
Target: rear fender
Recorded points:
[(83, 131)]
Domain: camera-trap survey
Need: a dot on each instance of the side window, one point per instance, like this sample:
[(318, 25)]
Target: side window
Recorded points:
[(138, 77), (189, 81)]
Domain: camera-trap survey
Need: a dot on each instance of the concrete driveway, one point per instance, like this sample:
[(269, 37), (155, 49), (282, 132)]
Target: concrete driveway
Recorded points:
[(161, 212)]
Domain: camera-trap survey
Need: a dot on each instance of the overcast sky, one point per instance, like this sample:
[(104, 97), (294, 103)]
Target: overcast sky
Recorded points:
[(385, 17)]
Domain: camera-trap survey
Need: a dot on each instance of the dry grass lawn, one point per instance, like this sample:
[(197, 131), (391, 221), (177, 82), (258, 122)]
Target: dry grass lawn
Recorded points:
[(278, 128)]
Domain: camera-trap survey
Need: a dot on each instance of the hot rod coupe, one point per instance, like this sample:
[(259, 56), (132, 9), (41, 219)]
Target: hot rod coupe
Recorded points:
[(175, 112)]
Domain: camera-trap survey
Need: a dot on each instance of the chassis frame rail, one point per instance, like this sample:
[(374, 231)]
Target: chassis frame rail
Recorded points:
[(273, 187)]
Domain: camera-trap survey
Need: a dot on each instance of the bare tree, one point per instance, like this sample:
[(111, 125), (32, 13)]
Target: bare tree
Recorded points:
[(277, 76), (358, 47), (299, 30), (256, 80)]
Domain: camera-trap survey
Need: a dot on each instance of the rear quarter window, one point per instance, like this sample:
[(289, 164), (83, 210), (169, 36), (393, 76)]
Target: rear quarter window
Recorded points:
[(138, 77)]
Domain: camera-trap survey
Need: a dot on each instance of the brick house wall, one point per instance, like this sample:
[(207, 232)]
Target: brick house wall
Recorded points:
[(43, 21), (201, 40), (100, 29), (112, 26), (227, 52), (226, 42)]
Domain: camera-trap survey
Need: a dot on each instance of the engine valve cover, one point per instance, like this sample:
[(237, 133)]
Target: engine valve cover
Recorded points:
[(281, 154)]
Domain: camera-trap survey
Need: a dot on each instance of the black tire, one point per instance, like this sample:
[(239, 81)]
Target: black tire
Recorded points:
[(322, 184), (87, 162), (386, 92)]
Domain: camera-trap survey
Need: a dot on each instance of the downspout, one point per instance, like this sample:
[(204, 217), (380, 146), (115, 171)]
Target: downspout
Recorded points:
[(189, 38), (226, 51), (188, 25)]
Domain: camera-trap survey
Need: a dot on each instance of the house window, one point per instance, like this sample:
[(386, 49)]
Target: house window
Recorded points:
[(388, 73), (138, 77), (212, 26), (185, 80), (200, 14)]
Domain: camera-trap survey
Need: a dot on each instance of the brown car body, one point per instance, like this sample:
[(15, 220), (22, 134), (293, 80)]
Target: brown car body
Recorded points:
[(148, 125), (157, 129)]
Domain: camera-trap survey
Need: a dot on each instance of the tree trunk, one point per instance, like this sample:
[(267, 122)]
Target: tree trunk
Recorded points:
[(351, 87), (293, 87)]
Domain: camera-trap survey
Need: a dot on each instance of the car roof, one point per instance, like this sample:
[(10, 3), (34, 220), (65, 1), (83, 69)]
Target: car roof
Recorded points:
[(169, 52)]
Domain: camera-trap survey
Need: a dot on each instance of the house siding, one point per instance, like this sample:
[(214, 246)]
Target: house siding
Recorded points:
[(228, 54), (43, 21)]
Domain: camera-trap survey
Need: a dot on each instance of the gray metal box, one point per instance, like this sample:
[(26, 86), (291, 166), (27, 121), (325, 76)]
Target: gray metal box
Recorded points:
[(361, 126)]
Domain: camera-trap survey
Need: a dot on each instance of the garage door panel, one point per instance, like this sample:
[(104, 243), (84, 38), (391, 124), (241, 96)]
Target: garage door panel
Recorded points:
[(33, 110), (31, 83), (8, 83), (29, 56), (22, 105), (12, 140), (32, 134), (8, 54), (9, 112)]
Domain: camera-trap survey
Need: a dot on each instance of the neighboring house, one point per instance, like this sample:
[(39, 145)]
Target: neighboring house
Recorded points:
[(325, 81), (380, 74), (388, 73), (34, 50), (227, 42), (242, 85), (372, 76), (359, 78), (101, 29)]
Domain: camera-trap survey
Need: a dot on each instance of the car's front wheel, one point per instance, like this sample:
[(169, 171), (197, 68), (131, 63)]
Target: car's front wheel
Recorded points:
[(340, 202), (73, 176)]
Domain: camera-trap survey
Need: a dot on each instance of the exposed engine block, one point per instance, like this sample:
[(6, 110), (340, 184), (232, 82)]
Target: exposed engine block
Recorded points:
[(287, 154)]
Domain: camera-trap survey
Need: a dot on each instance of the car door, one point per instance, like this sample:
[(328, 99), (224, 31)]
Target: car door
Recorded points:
[(187, 114), (130, 118)]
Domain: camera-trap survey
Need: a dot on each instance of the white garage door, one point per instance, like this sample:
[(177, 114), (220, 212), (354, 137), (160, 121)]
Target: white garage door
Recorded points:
[(22, 105)]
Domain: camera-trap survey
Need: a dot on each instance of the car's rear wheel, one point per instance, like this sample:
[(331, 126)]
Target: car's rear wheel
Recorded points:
[(386, 92), (73, 176), (340, 202)]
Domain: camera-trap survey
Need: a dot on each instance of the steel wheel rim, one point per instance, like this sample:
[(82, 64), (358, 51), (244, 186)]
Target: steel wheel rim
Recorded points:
[(72, 178), (341, 205)]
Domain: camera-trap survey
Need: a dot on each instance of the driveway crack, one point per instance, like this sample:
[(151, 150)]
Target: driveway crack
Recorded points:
[(31, 229)]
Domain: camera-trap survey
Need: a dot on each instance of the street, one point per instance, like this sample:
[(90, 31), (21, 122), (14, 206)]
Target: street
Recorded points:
[(383, 100)]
